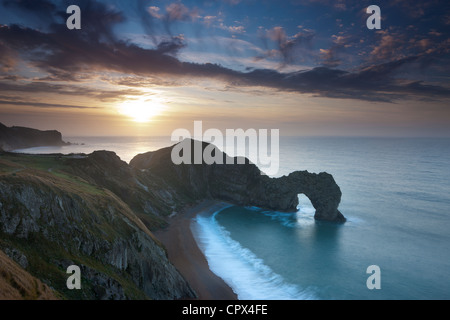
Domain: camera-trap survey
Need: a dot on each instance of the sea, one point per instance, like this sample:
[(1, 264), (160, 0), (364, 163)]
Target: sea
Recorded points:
[(395, 196)]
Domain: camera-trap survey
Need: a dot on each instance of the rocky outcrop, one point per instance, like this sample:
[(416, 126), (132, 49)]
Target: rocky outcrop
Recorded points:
[(12, 138), (49, 223), (243, 184), (282, 194)]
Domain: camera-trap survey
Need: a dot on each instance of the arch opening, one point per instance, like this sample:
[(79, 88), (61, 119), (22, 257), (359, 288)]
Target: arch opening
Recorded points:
[(305, 211), (305, 207)]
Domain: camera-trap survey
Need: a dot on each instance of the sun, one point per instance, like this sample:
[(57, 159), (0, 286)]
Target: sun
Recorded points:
[(141, 110)]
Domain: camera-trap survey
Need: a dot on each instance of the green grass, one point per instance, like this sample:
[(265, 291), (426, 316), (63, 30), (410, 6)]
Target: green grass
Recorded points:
[(39, 162), (46, 172), (15, 164), (83, 185)]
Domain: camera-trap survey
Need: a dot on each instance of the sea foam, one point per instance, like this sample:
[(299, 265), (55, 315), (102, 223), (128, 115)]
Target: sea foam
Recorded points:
[(240, 268)]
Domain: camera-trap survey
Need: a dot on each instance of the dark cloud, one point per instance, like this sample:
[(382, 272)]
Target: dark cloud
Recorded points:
[(290, 48), (372, 83), (63, 54), (35, 104), (98, 20), (65, 90), (171, 46), (375, 83)]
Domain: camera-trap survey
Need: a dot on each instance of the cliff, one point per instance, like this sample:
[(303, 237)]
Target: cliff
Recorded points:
[(98, 212), (242, 184), (12, 138), (51, 219)]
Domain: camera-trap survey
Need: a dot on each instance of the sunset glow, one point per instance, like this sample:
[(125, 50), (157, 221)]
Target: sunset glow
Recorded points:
[(141, 110), (310, 68)]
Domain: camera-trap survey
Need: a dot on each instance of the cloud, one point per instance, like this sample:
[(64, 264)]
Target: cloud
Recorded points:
[(179, 12), (174, 12), (38, 87), (372, 83), (375, 83), (390, 46), (155, 12), (232, 29), (172, 45), (288, 47), (210, 20), (218, 22), (331, 57), (35, 104), (435, 33), (97, 17), (64, 54)]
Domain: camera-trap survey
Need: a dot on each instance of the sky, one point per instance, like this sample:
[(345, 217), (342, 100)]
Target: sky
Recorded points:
[(305, 67)]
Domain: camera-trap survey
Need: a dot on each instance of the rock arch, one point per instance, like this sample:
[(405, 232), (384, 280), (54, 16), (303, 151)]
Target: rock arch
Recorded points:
[(244, 184), (321, 189)]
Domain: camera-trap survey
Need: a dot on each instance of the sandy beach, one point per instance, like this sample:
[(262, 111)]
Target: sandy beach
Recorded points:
[(187, 257)]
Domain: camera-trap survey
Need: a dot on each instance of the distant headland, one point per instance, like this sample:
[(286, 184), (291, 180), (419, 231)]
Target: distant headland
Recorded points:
[(13, 138)]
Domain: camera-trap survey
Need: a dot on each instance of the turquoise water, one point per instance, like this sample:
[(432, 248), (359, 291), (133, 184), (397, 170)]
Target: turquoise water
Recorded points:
[(396, 198)]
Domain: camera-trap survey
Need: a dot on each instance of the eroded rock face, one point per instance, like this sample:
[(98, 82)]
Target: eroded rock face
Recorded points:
[(55, 221), (243, 184)]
